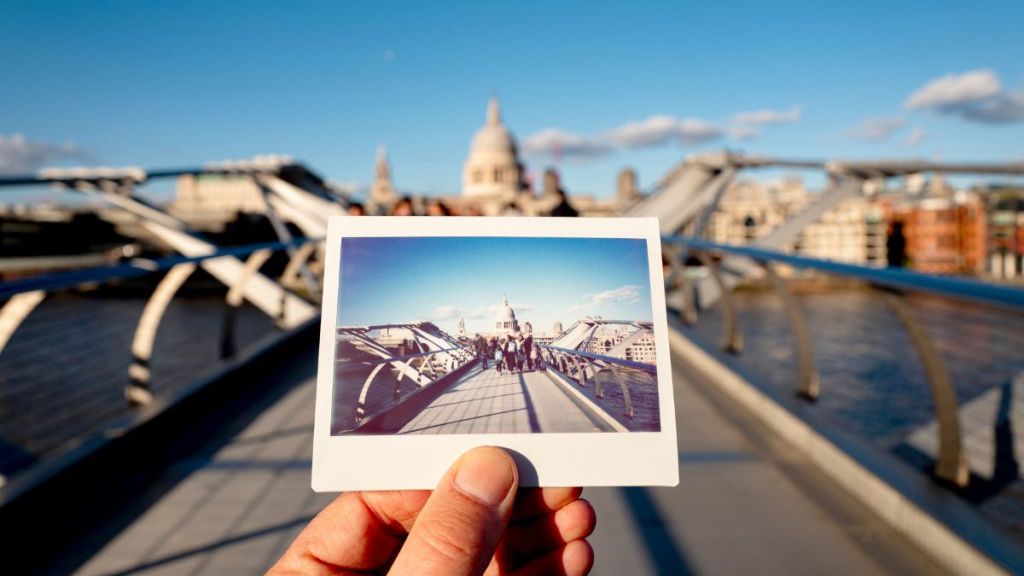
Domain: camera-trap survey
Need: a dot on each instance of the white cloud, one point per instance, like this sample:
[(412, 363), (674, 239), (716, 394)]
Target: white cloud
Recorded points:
[(744, 132), (876, 129), (656, 130), (553, 141), (916, 137), (953, 89), (628, 293), (660, 129), (390, 55), (976, 95), (19, 155), (767, 116)]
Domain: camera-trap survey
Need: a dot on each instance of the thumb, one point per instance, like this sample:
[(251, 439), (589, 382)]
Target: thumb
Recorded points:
[(459, 527)]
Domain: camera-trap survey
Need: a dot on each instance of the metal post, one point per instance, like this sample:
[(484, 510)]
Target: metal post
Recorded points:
[(236, 293), (733, 338), (137, 391), (951, 464), (808, 383), (14, 312)]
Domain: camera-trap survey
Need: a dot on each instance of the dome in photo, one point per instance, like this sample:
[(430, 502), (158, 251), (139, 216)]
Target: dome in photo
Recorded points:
[(505, 321)]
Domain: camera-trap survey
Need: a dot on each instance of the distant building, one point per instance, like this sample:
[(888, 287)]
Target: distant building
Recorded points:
[(1005, 250), (492, 170), (208, 202), (505, 322), (853, 232), (944, 231), (382, 193), (626, 191)]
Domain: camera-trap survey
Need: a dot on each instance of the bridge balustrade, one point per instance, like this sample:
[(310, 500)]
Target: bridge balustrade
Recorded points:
[(626, 389), (375, 365), (683, 252)]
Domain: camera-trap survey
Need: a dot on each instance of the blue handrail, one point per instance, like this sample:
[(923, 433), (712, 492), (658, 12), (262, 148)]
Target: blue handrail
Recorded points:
[(134, 268), (957, 288)]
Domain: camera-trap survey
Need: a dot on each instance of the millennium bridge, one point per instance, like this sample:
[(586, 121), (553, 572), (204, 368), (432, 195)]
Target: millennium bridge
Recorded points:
[(156, 410)]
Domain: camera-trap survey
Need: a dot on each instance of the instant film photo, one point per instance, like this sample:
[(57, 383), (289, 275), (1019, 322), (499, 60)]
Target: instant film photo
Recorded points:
[(544, 336)]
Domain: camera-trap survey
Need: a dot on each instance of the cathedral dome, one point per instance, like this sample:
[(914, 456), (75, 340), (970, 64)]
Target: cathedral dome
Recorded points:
[(493, 139), (505, 320), (492, 167)]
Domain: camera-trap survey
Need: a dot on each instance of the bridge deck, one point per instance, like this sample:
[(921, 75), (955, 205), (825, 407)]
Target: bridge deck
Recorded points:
[(485, 401), (745, 503)]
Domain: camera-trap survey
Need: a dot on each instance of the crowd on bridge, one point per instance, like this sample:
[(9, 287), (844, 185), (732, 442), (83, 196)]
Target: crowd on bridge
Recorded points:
[(512, 353)]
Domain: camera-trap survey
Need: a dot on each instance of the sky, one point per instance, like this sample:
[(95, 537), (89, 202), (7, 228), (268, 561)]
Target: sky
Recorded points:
[(607, 85), (442, 279)]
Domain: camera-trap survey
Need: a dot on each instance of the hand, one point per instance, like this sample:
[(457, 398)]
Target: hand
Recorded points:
[(475, 522)]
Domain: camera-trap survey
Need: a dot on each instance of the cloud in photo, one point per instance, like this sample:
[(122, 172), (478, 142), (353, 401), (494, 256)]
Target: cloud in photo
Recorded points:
[(20, 155), (629, 293), (877, 129), (976, 95)]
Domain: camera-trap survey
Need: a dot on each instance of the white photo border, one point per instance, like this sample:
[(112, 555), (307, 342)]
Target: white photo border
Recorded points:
[(391, 462)]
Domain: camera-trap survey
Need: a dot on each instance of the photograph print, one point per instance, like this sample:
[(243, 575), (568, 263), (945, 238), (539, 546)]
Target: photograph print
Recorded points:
[(494, 335)]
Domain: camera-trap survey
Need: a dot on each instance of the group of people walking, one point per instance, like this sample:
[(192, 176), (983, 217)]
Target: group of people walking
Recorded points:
[(510, 353)]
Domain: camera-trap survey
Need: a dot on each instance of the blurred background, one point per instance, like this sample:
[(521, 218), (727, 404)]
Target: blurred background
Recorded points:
[(840, 189)]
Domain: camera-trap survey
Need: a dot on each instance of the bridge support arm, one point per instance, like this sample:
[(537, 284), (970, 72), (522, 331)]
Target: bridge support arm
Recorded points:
[(951, 464), (138, 389), (733, 339), (14, 313), (808, 383)]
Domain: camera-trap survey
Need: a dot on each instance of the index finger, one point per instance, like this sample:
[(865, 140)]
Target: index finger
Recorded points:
[(532, 502)]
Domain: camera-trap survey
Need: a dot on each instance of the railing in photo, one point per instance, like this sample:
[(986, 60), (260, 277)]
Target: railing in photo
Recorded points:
[(438, 355)]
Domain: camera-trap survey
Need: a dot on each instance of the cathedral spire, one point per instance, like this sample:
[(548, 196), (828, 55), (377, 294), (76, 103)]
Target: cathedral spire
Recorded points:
[(494, 112)]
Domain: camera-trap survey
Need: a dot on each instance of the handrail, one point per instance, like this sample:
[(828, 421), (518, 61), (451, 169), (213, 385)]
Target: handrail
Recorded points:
[(951, 461), (133, 268), (406, 357), (649, 368), (960, 288)]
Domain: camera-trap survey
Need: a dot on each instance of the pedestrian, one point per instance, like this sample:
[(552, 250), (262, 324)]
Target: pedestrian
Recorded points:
[(499, 353), (481, 350), (510, 353), (528, 350), (538, 360)]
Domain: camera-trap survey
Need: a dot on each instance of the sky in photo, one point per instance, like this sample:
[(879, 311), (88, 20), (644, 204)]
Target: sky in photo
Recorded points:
[(396, 280), (609, 84)]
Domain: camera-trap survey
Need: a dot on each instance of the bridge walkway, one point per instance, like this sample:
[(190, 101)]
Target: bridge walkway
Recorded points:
[(485, 401), (745, 503)]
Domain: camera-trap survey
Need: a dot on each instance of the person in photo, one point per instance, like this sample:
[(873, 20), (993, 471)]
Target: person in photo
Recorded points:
[(528, 350), (499, 355), (510, 353)]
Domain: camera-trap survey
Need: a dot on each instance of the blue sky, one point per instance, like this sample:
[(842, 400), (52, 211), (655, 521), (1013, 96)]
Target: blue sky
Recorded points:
[(613, 84), (395, 280)]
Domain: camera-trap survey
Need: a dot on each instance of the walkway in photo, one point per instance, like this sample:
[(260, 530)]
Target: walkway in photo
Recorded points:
[(487, 402)]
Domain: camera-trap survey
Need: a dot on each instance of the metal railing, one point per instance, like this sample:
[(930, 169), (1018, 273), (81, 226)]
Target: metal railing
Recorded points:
[(25, 295), (951, 462), (574, 365), (440, 355)]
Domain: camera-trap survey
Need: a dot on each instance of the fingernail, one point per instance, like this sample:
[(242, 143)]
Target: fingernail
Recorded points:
[(485, 475)]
